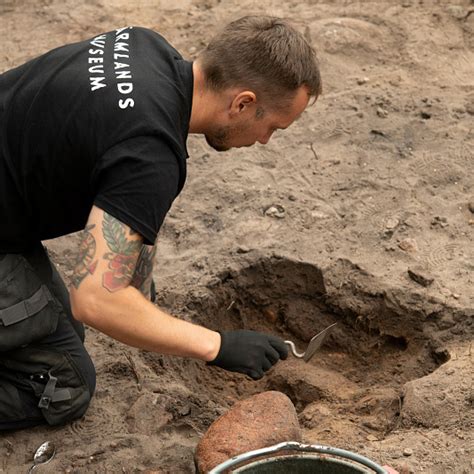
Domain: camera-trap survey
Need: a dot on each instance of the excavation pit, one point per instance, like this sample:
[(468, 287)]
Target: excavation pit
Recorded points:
[(354, 382)]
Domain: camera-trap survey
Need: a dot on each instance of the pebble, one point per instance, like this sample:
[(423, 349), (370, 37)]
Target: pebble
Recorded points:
[(439, 221), (382, 112), (372, 437), (319, 215), (243, 249), (450, 371), (392, 223), (407, 452), (276, 211), (456, 11), (185, 410), (420, 276), (471, 206), (270, 315), (362, 80), (408, 245), (470, 107)]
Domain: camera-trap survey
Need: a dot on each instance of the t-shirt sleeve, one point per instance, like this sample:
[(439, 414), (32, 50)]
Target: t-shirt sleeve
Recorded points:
[(136, 182)]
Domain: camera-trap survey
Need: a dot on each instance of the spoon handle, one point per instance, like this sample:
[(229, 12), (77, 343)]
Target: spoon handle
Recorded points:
[(32, 468)]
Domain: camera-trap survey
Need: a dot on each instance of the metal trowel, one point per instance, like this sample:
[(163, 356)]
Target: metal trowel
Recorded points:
[(313, 346)]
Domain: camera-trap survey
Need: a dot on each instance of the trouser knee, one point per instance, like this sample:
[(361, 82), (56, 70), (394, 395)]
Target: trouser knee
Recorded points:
[(51, 384)]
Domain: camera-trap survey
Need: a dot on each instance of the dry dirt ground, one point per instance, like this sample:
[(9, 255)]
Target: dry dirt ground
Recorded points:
[(321, 225)]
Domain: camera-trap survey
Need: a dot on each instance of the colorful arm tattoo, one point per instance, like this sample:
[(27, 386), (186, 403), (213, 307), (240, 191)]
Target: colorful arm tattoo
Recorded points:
[(123, 256), (86, 262)]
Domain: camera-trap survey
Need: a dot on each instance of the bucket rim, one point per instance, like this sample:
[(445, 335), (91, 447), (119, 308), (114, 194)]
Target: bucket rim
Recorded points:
[(297, 447)]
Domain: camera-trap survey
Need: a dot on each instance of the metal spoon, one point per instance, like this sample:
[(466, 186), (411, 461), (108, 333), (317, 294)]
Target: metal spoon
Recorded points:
[(43, 455), (313, 345)]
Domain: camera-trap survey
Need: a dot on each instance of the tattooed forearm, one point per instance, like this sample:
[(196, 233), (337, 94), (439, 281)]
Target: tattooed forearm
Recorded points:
[(123, 255), (86, 262), (143, 271)]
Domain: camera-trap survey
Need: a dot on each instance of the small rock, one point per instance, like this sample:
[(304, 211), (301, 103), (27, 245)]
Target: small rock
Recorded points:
[(259, 421), (446, 322), (243, 249), (270, 315), (408, 245), (470, 106), (446, 292), (471, 206), (185, 410), (450, 371), (382, 112), (420, 276), (276, 211), (391, 223), (148, 415), (319, 215), (192, 50), (372, 437), (292, 197), (407, 452), (439, 221), (456, 11), (362, 80)]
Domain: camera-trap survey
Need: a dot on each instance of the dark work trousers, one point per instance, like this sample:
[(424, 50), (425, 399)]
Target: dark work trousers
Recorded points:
[(60, 354)]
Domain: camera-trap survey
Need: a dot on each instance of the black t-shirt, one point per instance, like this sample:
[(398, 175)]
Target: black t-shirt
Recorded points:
[(102, 122)]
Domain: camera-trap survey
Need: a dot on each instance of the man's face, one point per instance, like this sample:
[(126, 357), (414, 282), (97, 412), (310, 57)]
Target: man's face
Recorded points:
[(255, 124)]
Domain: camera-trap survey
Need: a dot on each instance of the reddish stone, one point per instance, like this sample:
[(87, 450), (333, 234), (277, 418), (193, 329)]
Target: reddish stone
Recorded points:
[(263, 420)]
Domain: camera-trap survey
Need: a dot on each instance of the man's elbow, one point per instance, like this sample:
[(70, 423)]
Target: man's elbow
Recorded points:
[(85, 306)]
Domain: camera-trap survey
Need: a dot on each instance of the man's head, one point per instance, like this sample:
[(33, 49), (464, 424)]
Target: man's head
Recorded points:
[(264, 72)]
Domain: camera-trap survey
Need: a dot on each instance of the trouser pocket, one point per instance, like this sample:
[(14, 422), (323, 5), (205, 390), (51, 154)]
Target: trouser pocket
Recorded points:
[(53, 377), (28, 311)]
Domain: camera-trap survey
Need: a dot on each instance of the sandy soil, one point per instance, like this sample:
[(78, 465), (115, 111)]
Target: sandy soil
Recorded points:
[(321, 225)]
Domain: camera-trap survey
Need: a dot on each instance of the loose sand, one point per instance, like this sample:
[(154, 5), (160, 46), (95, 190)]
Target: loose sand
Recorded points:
[(320, 225)]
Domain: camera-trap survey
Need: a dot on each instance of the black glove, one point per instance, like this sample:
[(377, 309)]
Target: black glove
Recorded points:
[(249, 352)]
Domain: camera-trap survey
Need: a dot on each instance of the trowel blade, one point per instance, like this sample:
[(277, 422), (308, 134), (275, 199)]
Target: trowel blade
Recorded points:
[(316, 342)]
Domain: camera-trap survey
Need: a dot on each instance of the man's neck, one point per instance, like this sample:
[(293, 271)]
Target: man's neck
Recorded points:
[(204, 103)]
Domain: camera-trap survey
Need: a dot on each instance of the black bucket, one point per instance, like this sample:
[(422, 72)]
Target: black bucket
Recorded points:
[(296, 458)]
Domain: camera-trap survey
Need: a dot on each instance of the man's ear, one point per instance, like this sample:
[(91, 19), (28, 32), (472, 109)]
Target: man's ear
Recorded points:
[(242, 102)]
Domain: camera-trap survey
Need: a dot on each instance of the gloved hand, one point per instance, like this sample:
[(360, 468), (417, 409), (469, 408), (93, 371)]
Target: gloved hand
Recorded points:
[(249, 352)]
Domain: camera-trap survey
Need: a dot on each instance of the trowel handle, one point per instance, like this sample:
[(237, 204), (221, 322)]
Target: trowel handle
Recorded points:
[(292, 347)]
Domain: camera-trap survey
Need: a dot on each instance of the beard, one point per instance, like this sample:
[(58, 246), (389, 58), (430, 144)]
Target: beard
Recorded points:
[(219, 139)]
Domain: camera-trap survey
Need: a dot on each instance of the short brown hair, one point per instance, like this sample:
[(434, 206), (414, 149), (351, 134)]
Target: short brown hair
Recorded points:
[(263, 53)]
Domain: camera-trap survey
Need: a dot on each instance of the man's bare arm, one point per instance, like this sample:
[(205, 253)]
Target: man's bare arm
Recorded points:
[(103, 296)]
